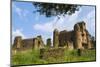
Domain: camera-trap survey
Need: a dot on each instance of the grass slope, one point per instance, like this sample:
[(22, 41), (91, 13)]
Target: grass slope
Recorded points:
[(32, 57)]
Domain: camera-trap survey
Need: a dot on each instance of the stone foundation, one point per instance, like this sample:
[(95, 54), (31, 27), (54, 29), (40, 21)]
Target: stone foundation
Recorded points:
[(52, 52)]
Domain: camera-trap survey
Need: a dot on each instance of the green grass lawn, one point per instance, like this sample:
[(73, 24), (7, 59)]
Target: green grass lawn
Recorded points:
[(32, 57)]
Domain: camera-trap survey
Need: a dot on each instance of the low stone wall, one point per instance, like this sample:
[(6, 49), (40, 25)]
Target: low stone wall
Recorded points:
[(84, 52), (52, 52)]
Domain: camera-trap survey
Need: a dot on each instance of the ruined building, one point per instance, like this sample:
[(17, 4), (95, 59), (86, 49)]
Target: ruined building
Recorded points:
[(32, 43), (78, 38)]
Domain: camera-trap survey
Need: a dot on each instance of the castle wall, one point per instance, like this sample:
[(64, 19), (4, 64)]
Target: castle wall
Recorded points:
[(38, 43), (52, 53), (27, 43), (17, 42), (70, 45), (65, 37), (79, 38), (32, 43)]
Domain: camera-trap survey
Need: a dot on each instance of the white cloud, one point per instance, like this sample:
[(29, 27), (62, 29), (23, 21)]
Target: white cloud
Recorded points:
[(47, 27), (65, 22), (90, 19), (22, 13), (17, 32)]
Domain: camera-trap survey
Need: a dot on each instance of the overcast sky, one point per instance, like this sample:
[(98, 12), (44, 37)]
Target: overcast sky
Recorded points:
[(27, 24)]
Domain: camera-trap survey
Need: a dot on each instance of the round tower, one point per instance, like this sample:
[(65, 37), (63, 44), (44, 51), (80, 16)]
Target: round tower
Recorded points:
[(55, 38), (77, 37), (83, 26), (17, 42)]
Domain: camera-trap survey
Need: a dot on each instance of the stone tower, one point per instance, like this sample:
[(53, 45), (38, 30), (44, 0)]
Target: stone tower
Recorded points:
[(55, 38), (78, 37), (35, 43), (81, 35), (17, 42), (38, 42), (84, 34)]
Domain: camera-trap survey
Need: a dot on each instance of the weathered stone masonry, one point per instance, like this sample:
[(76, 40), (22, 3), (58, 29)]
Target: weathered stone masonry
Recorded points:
[(78, 38), (75, 39), (24, 44)]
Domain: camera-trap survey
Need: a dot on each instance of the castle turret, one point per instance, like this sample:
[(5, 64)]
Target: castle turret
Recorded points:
[(78, 37), (35, 43), (55, 38), (38, 42), (18, 42), (82, 26)]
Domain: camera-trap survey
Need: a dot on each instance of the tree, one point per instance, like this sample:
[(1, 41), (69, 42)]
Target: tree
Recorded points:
[(54, 9)]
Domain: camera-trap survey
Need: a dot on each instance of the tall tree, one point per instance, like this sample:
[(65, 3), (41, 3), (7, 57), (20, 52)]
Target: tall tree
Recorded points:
[(54, 9)]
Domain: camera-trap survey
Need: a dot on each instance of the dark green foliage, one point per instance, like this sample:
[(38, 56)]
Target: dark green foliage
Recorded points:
[(79, 52), (54, 9)]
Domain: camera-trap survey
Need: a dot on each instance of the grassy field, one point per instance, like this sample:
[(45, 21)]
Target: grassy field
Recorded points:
[(32, 57)]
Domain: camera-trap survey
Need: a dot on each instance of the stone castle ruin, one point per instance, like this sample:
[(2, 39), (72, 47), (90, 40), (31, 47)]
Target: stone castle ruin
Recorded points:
[(78, 38), (24, 44), (75, 39)]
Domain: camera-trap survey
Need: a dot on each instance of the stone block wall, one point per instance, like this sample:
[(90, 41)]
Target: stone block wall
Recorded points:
[(25, 44), (52, 52), (78, 38)]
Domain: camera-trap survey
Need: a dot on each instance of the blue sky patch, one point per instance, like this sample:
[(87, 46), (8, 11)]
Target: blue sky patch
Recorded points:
[(27, 24)]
